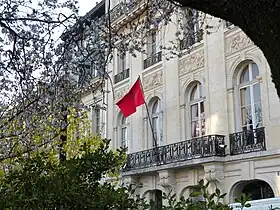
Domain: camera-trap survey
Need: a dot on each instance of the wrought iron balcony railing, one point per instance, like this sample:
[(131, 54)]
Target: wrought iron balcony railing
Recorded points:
[(193, 38), (121, 76), (247, 141), (153, 59), (123, 8), (206, 146)]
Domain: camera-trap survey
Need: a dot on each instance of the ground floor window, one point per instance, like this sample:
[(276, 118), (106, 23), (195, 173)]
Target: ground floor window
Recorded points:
[(258, 190)]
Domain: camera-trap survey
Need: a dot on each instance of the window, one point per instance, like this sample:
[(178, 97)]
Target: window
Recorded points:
[(156, 199), (197, 113), (191, 29), (250, 98), (94, 69), (123, 132), (258, 190), (122, 62), (97, 120), (152, 44), (157, 122), (194, 25)]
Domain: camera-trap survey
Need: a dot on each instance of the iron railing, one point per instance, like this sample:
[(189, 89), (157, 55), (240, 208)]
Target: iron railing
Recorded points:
[(123, 8), (247, 141), (121, 76), (153, 59), (206, 146)]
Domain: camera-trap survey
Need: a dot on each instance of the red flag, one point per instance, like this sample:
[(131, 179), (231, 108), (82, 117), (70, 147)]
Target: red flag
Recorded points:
[(132, 99)]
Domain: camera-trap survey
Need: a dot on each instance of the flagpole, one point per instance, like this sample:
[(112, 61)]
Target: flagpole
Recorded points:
[(150, 122)]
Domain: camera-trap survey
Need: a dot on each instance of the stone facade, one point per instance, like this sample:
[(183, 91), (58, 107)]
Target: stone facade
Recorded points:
[(216, 63)]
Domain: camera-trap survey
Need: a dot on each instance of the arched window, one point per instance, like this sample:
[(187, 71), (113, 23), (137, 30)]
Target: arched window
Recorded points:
[(156, 199), (156, 112), (123, 131), (258, 190), (250, 97), (197, 113)]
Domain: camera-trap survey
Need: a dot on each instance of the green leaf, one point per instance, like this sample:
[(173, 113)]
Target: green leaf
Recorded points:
[(195, 194), (247, 205)]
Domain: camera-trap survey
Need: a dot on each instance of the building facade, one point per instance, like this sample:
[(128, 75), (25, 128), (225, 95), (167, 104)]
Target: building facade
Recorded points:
[(214, 111)]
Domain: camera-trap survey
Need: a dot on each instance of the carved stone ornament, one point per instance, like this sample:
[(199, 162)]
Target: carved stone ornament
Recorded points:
[(152, 80), (237, 42), (166, 178), (191, 62), (121, 92), (214, 174), (128, 180)]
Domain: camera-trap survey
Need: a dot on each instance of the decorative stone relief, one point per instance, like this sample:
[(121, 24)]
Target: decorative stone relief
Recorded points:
[(166, 178), (152, 80), (120, 92), (191, 62), (237, 42), (128, 180), (214, 173)]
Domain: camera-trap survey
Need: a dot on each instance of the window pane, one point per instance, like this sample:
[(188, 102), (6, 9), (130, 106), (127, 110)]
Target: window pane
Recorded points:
[(257, 93), (155, 108), (245, 96), (255, 71), (201, 93), (202, 109), (195, 129), (194, 93), (245, 75), (203, 127), (194, 112), (246, 115), (124, 137), (258, 115)]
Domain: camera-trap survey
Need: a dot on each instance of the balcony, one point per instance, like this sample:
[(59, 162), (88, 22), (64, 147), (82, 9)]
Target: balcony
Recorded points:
[(206, 146), (153, 59), (123, 8), (121, 76), (247, 141)]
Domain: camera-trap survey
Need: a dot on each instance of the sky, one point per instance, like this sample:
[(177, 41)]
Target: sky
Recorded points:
[(86, 6)]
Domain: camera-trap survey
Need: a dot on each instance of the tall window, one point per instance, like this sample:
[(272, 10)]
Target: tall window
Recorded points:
[(191, 27), (156, 199), (194, 25), (197, 111), (250, 98), (157, 122), (122, 62), (123, 132), (97, 120), (152, 43), (94, 69)]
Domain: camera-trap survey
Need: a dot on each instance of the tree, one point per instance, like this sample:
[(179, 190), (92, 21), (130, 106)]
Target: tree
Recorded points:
[(259, 19), (43, 182)]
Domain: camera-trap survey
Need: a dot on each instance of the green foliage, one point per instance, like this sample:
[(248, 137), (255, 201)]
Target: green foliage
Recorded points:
[(40, 182), (201, 199)]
